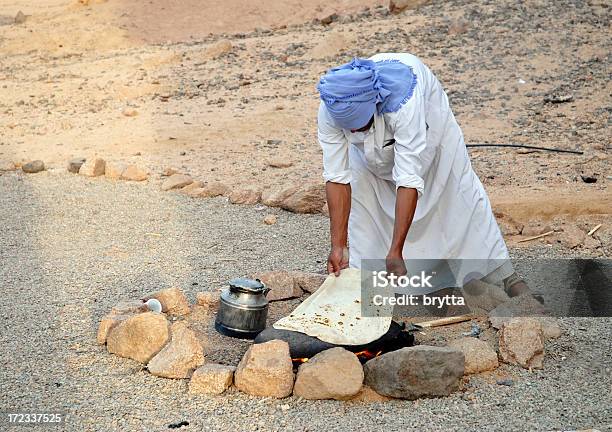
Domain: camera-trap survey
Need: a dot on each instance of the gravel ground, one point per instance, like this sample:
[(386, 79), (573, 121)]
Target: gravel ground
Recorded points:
[(70, 248)]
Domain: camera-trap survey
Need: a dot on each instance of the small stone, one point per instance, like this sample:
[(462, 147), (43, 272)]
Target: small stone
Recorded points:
[(170, 171), (327, 20), (275, 197), (133, 173), (415, 372), (309, 282), (210, 190), (279, 163), (266, 370), (308, 200), (113, 170), (331, 374), (550, 328), (479, 356), (505, 382), (218, 49), (139, 337), (182, 355), (173, 301), (397, 6), (176, 181), (281, 285), (129, 112), (211, 379), (245, 196), (457, 27), (535, 227), (572, 236), (93, 167), (209, 300), (367, 395), (33, 167), (20, 18), (521, 341), (191, 186), (270, 219), (7, 166), (74, 165)]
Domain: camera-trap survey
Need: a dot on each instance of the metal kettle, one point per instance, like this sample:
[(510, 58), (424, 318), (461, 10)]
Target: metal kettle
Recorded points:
[(243, 309)]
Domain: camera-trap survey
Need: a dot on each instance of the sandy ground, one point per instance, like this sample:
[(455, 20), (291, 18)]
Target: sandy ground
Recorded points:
[(228, 95), (73, 247)]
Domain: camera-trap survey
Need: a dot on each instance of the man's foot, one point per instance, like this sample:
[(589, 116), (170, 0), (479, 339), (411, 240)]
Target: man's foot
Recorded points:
[(515, 286)]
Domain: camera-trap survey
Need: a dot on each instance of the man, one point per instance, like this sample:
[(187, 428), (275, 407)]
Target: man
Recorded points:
[(399, 181)]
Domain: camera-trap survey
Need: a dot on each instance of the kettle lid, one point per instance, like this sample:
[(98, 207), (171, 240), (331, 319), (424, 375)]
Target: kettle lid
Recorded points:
[(247, 285)]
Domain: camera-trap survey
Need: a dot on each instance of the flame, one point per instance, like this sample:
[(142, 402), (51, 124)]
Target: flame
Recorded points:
[(367, 355), (363, 355)]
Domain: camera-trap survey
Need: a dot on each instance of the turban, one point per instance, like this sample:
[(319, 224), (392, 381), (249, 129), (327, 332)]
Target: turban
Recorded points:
[(354, 91)]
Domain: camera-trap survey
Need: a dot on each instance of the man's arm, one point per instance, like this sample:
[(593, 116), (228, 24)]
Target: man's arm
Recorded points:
[(339, 203), (405, 206)]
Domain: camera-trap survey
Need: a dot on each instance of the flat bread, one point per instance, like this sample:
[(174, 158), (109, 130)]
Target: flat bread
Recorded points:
[(333, 313)]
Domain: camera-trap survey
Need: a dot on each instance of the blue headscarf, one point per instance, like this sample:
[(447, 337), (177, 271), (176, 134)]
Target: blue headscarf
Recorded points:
[(354, 91)]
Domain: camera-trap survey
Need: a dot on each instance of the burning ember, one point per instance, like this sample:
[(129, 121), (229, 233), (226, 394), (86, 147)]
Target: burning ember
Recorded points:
[(363, 356)]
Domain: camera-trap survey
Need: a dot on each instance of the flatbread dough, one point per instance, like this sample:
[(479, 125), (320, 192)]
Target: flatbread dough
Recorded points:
[(333, 313)]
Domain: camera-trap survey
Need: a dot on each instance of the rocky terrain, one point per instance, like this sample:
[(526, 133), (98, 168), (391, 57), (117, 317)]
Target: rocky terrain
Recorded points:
[(177, 100)]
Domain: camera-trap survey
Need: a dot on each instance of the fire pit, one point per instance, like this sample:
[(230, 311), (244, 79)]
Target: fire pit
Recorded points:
[(302, 347)]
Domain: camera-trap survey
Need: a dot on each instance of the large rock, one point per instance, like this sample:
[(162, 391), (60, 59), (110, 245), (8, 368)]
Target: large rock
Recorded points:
[(523, 305), (176, 181), (134, 173), (281, 283), (213, 189), (332, 374), (33, 167), (113, 170), (139, 337), (415, 372), (275, 197), (308, 200), (93, 167), (182, 355), (479, 356), (245, 196), (212, 379), (266, 370), (109, 322), (397, 6), (173, 301), (521, 341), (309, 282), (210, 300)]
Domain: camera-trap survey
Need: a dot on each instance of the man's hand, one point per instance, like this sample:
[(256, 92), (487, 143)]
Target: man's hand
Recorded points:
[(395, 265), (337, 260)]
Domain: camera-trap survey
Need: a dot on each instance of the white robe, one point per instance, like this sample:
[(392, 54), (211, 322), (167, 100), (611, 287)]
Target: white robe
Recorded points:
[(453, 218)]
